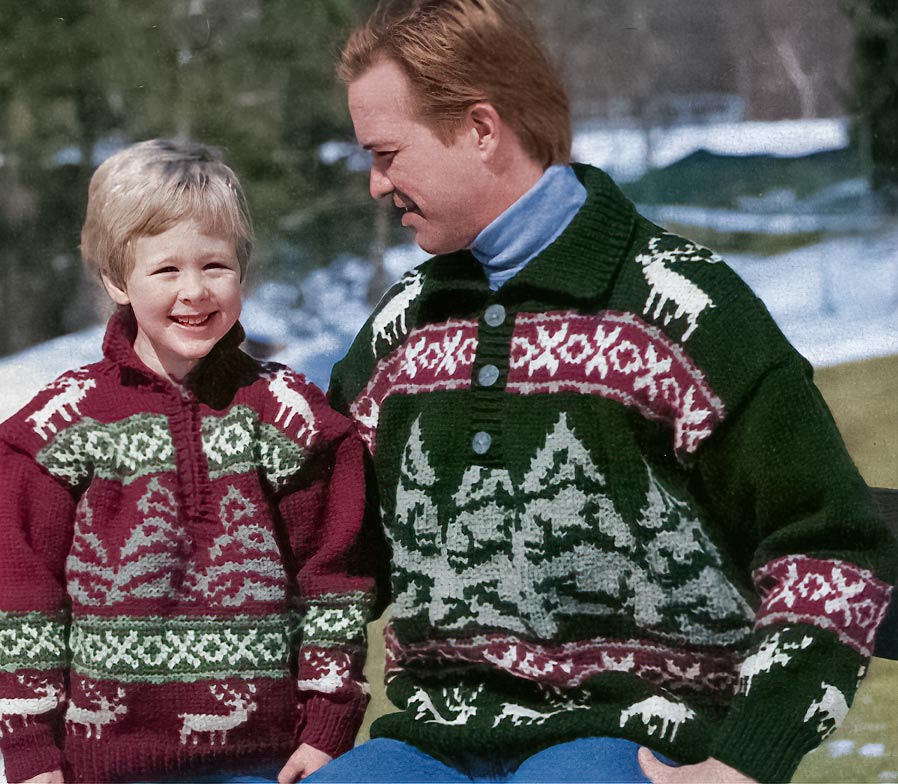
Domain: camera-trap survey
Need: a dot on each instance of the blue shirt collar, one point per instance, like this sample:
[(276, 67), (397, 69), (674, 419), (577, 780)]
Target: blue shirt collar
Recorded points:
[(529, 225)]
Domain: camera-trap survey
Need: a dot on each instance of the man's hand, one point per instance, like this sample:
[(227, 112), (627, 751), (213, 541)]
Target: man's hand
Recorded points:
[(711, 771), (303, 762), (50, 777)]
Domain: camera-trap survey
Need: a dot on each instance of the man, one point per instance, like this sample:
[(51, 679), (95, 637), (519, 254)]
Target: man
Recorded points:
[(620, 513)]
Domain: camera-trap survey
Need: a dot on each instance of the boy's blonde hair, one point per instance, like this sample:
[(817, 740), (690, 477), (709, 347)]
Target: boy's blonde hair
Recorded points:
[(458, 52), (146, 189)]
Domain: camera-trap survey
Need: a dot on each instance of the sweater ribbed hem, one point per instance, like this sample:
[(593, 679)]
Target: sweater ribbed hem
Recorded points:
[(92, 762)]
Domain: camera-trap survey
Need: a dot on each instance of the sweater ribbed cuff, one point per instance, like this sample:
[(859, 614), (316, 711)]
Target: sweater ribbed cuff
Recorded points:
[(27, 759), (764, 749), (331, 726)]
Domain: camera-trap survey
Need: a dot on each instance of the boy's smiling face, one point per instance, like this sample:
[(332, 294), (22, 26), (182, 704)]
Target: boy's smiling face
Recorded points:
[(185, 291)]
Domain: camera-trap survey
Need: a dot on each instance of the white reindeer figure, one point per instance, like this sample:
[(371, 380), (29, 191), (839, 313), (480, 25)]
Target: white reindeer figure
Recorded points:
[(658, 713), (389, 323), (830, 710), (25, 709), (520, 715), (292, 403), (65, 403), (771, 653), (669, 286), (217, 725), (454, 702), (328, 681), (103, 711)]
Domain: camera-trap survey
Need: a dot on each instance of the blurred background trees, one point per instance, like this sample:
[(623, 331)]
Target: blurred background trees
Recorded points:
[(81, 78), (876, 32)]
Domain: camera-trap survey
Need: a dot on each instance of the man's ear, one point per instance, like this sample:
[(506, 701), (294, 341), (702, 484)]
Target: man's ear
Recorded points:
[(119, 296), (485, 126)]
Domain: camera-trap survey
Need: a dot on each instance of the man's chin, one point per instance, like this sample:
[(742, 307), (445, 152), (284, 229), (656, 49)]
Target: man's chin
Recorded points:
[(435, 246)]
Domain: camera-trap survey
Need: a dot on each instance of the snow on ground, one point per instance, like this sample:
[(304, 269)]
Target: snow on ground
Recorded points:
[(836, 301), (626, 152)]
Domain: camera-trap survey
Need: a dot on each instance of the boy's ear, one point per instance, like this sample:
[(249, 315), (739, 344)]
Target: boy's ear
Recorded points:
[(119, 296)]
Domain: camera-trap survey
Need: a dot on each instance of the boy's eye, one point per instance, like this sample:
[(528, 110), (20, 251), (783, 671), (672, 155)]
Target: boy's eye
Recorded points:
[(169, 268)]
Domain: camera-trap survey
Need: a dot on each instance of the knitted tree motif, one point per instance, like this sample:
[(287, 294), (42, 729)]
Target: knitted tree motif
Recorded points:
[(525, 557), (416, 538), (244, 562), (684, 562), (90, 577), (151, 560), (147, 563), (559, 520)]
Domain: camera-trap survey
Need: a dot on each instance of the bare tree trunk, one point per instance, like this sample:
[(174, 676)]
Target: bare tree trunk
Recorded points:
[(802, 81), (378, 283)]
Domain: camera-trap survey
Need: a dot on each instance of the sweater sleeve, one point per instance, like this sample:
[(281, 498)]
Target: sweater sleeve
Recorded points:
[(36, 514), (821, 562), (334, 529)]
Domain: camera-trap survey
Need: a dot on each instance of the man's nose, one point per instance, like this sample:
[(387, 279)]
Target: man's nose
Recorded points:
[(379, 184)]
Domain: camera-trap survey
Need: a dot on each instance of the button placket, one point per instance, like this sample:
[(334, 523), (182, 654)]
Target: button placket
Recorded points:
[(493, 340)]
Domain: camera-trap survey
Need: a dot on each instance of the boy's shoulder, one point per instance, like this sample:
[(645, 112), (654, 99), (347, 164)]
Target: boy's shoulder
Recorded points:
[(290, 402), (58, 404)]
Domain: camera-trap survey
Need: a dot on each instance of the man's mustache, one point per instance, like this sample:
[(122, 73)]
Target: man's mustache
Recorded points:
[(404, 202)]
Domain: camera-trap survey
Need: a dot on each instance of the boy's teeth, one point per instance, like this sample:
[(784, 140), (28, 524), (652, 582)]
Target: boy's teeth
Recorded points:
[(191, 320)]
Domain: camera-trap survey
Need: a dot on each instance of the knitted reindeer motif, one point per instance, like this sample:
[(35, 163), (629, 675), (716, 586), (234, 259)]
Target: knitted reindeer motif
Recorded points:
[(72, 391), (102, 711), (292, 404), (217, 725), (24, 709), (666, 285), (659, 715), (389, 323)]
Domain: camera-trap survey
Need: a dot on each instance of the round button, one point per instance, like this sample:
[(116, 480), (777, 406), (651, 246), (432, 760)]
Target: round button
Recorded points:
[(481, 442), (494, 315), (488, 375)]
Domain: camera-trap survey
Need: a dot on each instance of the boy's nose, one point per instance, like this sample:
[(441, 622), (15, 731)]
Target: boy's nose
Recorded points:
[(193, 287)]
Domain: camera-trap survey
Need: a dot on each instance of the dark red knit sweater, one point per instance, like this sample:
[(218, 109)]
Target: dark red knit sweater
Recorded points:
[(179, 581)]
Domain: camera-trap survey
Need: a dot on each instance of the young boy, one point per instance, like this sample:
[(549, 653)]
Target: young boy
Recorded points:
[(180, 525)]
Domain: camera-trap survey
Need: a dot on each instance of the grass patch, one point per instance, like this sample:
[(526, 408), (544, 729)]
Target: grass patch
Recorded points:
[(862, 398), (724, 242)]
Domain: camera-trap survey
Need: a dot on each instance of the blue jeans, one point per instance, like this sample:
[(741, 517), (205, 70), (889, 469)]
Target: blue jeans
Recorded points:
[(584, 760), (267, 774)]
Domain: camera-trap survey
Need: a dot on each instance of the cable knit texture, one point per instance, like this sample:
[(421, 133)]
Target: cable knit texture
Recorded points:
[(179, 569), (617, 506)]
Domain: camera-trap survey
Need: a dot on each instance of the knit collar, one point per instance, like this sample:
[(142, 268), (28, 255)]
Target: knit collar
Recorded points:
[(214, 380), (579, 265)]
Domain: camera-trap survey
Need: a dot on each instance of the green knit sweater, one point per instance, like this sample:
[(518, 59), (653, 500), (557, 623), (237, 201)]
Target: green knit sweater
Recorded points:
[(617, 506)]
